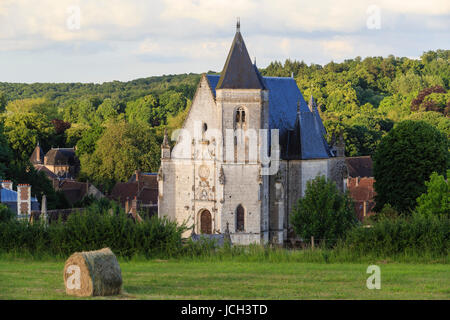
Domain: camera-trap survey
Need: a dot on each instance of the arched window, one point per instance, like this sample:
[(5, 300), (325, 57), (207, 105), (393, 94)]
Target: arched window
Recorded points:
[(240, 218), (240, 120)]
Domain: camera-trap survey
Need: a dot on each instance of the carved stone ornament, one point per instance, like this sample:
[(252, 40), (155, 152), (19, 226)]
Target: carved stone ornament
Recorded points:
[(160, 174), (221, 176)]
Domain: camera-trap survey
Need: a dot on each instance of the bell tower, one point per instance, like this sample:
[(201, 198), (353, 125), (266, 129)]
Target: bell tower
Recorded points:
[(242, 99)]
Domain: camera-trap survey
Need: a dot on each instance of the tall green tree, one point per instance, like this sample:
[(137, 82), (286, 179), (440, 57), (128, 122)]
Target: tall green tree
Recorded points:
[(404, 160), (24, 130), (123, 148), (324, 212)]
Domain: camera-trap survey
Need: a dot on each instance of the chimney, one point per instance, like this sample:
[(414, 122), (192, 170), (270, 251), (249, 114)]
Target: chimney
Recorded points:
[(7, 184), (127, 205), (23, 199), (364, 208), (134, 206), (137, 174)]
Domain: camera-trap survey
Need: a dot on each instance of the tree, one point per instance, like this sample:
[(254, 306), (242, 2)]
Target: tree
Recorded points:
[(324, 212), (40, 106), (3, 101), (109, 109), (123, 148), (404, 160), (436, 201), (24, 130), (89, 138), (436, 119), (144, 110), (5, 153)]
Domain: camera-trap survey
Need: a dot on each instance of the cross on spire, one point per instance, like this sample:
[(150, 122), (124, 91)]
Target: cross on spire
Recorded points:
[(238, 25)]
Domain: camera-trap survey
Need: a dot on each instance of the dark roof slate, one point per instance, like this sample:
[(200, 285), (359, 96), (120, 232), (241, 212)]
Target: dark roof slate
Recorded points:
[(284, 97), (238, 71)]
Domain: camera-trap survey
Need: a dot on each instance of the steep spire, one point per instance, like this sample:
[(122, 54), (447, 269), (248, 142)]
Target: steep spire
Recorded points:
[(238, 71)]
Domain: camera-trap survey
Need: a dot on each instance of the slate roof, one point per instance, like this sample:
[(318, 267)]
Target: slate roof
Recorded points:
[(9, 197), (359, 166), (61, 156), (238, 71), (284, 97), (301, 131)]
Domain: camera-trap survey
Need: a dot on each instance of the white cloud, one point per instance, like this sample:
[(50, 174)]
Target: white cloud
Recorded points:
[(198, 33)]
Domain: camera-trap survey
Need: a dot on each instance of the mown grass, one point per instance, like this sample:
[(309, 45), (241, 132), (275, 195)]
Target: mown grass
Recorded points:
[(27, 278)]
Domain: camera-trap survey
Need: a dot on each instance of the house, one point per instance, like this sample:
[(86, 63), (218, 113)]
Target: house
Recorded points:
[(138, 194), (61, 165), (19, 201), (57, 163), (359, 183), (75, 191), (245, 152)]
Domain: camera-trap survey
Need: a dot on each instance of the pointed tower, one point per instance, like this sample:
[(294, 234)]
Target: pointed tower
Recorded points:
[(37, 157), (242, 99), (165, 147), (238, 71)]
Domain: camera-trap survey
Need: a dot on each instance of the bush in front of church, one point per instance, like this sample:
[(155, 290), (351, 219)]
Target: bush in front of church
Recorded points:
[(324, 212)]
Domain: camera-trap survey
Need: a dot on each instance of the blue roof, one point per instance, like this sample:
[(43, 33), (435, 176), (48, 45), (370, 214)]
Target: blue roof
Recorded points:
[(284, 96), (7, 195)]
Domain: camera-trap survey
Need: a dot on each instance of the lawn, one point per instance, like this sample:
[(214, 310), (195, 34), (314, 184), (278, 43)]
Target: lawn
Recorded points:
[(180, 279)]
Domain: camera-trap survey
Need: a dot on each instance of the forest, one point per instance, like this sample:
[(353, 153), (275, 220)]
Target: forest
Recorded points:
[(117, 127)]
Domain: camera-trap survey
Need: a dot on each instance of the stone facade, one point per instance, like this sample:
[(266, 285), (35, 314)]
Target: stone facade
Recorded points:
[(216, 176)]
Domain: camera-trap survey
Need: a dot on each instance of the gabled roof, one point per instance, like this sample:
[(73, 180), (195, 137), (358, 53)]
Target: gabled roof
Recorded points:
[(238, 71)]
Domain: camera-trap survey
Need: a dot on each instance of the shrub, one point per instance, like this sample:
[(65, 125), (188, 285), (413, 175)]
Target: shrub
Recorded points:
[(5, 213), (91, 230), (416, 234), (324, 212), (436, 201)]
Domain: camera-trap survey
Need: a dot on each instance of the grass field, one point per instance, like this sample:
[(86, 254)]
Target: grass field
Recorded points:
[(183, 279)]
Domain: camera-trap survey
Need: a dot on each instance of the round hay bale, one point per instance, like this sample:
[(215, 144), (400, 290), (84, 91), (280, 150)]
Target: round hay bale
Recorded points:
[(92, 273)]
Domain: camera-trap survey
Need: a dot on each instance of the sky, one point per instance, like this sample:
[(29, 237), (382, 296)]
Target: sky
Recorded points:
[(106, 40)]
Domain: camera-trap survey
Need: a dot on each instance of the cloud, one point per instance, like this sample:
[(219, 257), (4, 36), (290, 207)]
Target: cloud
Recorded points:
[(197, 34)]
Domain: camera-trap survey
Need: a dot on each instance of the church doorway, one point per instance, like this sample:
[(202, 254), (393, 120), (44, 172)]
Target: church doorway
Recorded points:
[(205, 222)]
